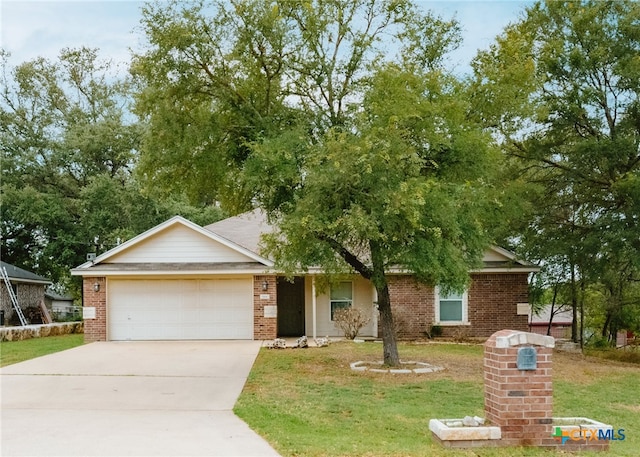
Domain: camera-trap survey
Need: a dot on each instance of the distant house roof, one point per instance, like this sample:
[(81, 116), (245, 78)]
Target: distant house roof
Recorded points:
[(52, 295), (564, 317), (16, 274)]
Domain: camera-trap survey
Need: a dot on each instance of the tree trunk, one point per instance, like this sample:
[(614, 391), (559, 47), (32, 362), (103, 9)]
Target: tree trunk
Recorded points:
[(379, 279), (553, 306), (582, 285), (605, 326), (574, 305), (389, 343)]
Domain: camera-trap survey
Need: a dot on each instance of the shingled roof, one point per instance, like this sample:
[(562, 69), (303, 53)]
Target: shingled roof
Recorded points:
[(244, 230), (16, 274)]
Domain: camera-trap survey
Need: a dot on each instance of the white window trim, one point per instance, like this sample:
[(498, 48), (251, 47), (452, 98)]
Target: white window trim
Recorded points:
[(465, 310), (331, 301)]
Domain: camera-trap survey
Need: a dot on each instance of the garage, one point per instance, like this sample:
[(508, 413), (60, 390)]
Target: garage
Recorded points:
[(180, 309), (181, 281)]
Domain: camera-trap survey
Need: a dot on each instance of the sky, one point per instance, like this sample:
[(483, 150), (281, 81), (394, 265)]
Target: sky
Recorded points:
[(34, 28)]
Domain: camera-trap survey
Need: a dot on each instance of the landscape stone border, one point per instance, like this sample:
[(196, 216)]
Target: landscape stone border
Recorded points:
[(40, 331), (423, 368)]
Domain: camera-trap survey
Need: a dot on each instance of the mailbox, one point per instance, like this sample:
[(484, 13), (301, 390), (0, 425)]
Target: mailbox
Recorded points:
[(527, 358)]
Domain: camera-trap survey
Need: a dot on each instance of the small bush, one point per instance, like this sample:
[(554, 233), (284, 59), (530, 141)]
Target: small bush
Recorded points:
[(435, 331), (350, 321), (460, 334), (599, 343), (399, 324)]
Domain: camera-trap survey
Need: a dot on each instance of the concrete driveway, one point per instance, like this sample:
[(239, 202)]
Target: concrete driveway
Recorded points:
[(130, 399)]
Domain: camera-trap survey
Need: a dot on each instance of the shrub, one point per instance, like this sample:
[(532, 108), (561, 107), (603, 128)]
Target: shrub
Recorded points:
[(599, 342), (399, 324), (435, 332), (350, 321)]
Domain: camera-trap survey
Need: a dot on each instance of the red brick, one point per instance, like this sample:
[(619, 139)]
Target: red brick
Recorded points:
[(264, 328), (95, 329), (492, 299)]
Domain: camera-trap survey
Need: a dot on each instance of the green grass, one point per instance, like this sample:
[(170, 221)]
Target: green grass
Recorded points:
[(309, 403), (18, 351)]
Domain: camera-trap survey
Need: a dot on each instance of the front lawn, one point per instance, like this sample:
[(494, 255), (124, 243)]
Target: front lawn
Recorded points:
[(18, 351), (307, 402)]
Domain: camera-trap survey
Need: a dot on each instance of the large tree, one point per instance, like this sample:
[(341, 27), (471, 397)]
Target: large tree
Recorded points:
[(561, 89), (217, 76), (337, 117), (69, 145), (405, 189), (63, 126)]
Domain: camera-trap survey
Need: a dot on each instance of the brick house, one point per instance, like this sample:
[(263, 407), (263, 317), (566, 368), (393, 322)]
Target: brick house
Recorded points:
[(561, 322), (183, 281), (28, 287)]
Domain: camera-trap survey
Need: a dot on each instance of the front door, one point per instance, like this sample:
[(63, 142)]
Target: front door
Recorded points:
[(291, 307)]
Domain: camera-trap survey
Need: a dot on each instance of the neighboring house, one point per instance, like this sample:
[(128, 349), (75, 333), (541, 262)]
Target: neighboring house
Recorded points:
[(179, 280), (560, 324), (61, 306), (28, 287)]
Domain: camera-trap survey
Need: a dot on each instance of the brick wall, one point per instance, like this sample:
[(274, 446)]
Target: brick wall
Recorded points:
[(95, 329), (491, 305), (412, 307), (264, 328), (492, 302), (559, 331)]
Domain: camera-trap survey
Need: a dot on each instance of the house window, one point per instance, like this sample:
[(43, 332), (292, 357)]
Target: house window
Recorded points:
[(341, 296), (451, 308)]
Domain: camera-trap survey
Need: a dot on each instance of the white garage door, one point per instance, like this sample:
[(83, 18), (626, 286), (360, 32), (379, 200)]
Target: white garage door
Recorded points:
[(180, 309)]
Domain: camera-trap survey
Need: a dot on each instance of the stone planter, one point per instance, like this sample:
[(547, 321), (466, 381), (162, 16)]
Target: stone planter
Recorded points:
[(575, 428), (455, 430)]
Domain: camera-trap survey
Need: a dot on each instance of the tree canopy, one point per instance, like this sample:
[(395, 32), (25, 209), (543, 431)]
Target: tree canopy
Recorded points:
[(69, 146), (561, 89), (218, 76), (338, 118)]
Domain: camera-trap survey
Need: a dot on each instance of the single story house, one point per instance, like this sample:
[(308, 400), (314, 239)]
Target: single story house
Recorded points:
[(61, 305), (28, 287), (561, 321), (179, 281)]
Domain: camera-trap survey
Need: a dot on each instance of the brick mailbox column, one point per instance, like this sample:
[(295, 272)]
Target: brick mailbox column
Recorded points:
[(518, 387)]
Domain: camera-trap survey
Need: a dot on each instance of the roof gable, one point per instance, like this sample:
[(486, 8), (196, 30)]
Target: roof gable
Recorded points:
[(177, 240), (496, 258), (497, 254)]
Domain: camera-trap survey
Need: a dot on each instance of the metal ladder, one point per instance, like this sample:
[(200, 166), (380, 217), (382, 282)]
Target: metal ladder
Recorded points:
[(12, 295)]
